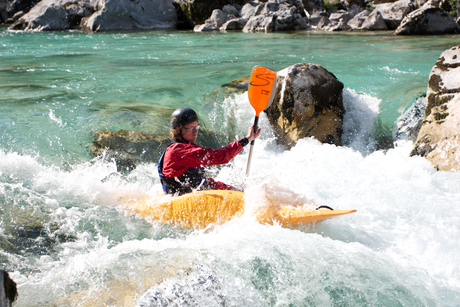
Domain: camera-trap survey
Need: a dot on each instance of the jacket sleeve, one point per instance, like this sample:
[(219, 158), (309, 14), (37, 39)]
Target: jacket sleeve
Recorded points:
[(179, 157), (218, 185)]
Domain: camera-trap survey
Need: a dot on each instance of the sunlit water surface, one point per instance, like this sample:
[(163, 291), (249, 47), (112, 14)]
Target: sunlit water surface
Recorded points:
[(67, 240)]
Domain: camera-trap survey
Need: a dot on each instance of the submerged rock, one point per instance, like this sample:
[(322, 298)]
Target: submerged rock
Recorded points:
[(408, 125), (439, 139), (129, 148), (307, 103)]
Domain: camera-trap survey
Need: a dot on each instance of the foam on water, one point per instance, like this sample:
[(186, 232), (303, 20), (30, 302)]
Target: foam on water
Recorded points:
[(400, 248)]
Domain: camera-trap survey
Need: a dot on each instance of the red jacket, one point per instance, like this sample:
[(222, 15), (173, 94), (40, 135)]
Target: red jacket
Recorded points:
[(179, 157)]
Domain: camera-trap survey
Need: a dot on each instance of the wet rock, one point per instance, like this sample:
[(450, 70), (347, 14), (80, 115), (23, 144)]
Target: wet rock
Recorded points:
[(307, 103), (428, 19), (8, 289), (239, 84), (438, 139), (129, 148), (408, 125)]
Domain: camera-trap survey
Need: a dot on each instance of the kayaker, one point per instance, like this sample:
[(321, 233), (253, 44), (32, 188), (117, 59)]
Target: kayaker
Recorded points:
[(181, 167)]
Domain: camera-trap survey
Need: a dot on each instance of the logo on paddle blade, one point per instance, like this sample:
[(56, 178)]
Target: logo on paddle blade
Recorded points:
[(262, 80)]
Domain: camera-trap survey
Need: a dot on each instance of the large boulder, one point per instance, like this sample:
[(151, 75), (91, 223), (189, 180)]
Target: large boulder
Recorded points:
[(51, 15), (10, 11), (374, 22), (357, 21), (307, 103), (394, 13), (138, 14), (439, 139), (429, 19)]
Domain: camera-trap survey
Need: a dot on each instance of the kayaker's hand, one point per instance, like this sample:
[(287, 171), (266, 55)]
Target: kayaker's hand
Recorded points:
[(251, 135)]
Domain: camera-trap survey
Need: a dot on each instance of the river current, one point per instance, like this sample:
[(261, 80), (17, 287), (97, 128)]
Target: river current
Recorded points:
[(67, 240)]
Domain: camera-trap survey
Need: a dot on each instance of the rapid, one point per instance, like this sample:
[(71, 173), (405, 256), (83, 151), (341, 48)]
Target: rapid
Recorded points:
[(67, 239)]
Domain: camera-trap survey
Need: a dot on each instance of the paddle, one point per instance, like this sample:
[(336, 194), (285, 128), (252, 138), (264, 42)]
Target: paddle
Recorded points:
[(260, 92)]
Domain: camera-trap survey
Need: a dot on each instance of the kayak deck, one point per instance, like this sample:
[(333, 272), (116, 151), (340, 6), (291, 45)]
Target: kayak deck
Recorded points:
[(202, 208)]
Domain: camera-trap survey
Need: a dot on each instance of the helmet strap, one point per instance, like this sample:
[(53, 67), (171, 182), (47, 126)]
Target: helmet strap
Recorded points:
[(181, 136)]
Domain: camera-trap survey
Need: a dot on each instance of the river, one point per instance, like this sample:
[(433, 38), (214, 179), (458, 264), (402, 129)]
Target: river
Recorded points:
[(67, 240)]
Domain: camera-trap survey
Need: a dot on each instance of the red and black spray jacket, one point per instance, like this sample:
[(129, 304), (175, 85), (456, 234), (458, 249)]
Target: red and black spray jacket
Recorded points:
[(181, 167)]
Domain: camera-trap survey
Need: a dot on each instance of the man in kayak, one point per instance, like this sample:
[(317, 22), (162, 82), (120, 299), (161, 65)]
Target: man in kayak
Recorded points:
[(181, 167)]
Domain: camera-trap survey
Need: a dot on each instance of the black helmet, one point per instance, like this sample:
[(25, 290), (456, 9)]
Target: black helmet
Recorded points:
[(182, 117)]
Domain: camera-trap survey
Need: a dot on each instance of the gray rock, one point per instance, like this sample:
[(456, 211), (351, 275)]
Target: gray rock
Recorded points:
[(323, 23), (438, 140), (218, 18), (427, 20), (357, 21), (236, 24), (393, 13), (408, 125), (139, 14), (341, 16), (249, 10), (307, 103), (197, 11), (374, 22), (47, 15), (230, 10), (206, 27), (260, 23), (341, 26)]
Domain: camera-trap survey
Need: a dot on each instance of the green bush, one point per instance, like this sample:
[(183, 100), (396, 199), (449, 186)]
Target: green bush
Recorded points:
[(330, 5)]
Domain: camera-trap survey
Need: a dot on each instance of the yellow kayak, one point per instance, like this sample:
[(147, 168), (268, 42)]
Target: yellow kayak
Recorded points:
[(201, 208)]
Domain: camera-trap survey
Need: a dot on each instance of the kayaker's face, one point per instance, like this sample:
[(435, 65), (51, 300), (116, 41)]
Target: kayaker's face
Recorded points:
[(190, 131)]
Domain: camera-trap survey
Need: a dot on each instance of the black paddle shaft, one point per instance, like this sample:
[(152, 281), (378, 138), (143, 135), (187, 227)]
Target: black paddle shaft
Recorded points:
[(256, 121)]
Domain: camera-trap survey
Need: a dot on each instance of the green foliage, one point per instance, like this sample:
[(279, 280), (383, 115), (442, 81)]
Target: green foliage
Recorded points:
[(454, 5), (330, 5)]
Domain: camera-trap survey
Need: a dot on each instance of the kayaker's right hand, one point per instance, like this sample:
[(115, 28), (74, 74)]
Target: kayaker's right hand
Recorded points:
[(251, 134)]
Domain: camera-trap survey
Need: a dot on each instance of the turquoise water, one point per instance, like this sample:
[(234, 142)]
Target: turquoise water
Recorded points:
[(68, 241)]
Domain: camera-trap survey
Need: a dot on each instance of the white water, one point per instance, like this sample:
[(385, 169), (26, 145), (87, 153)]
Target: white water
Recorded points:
[(400, 249)]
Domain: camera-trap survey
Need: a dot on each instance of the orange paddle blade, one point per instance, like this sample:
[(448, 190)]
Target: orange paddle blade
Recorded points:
[(261, 88)]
